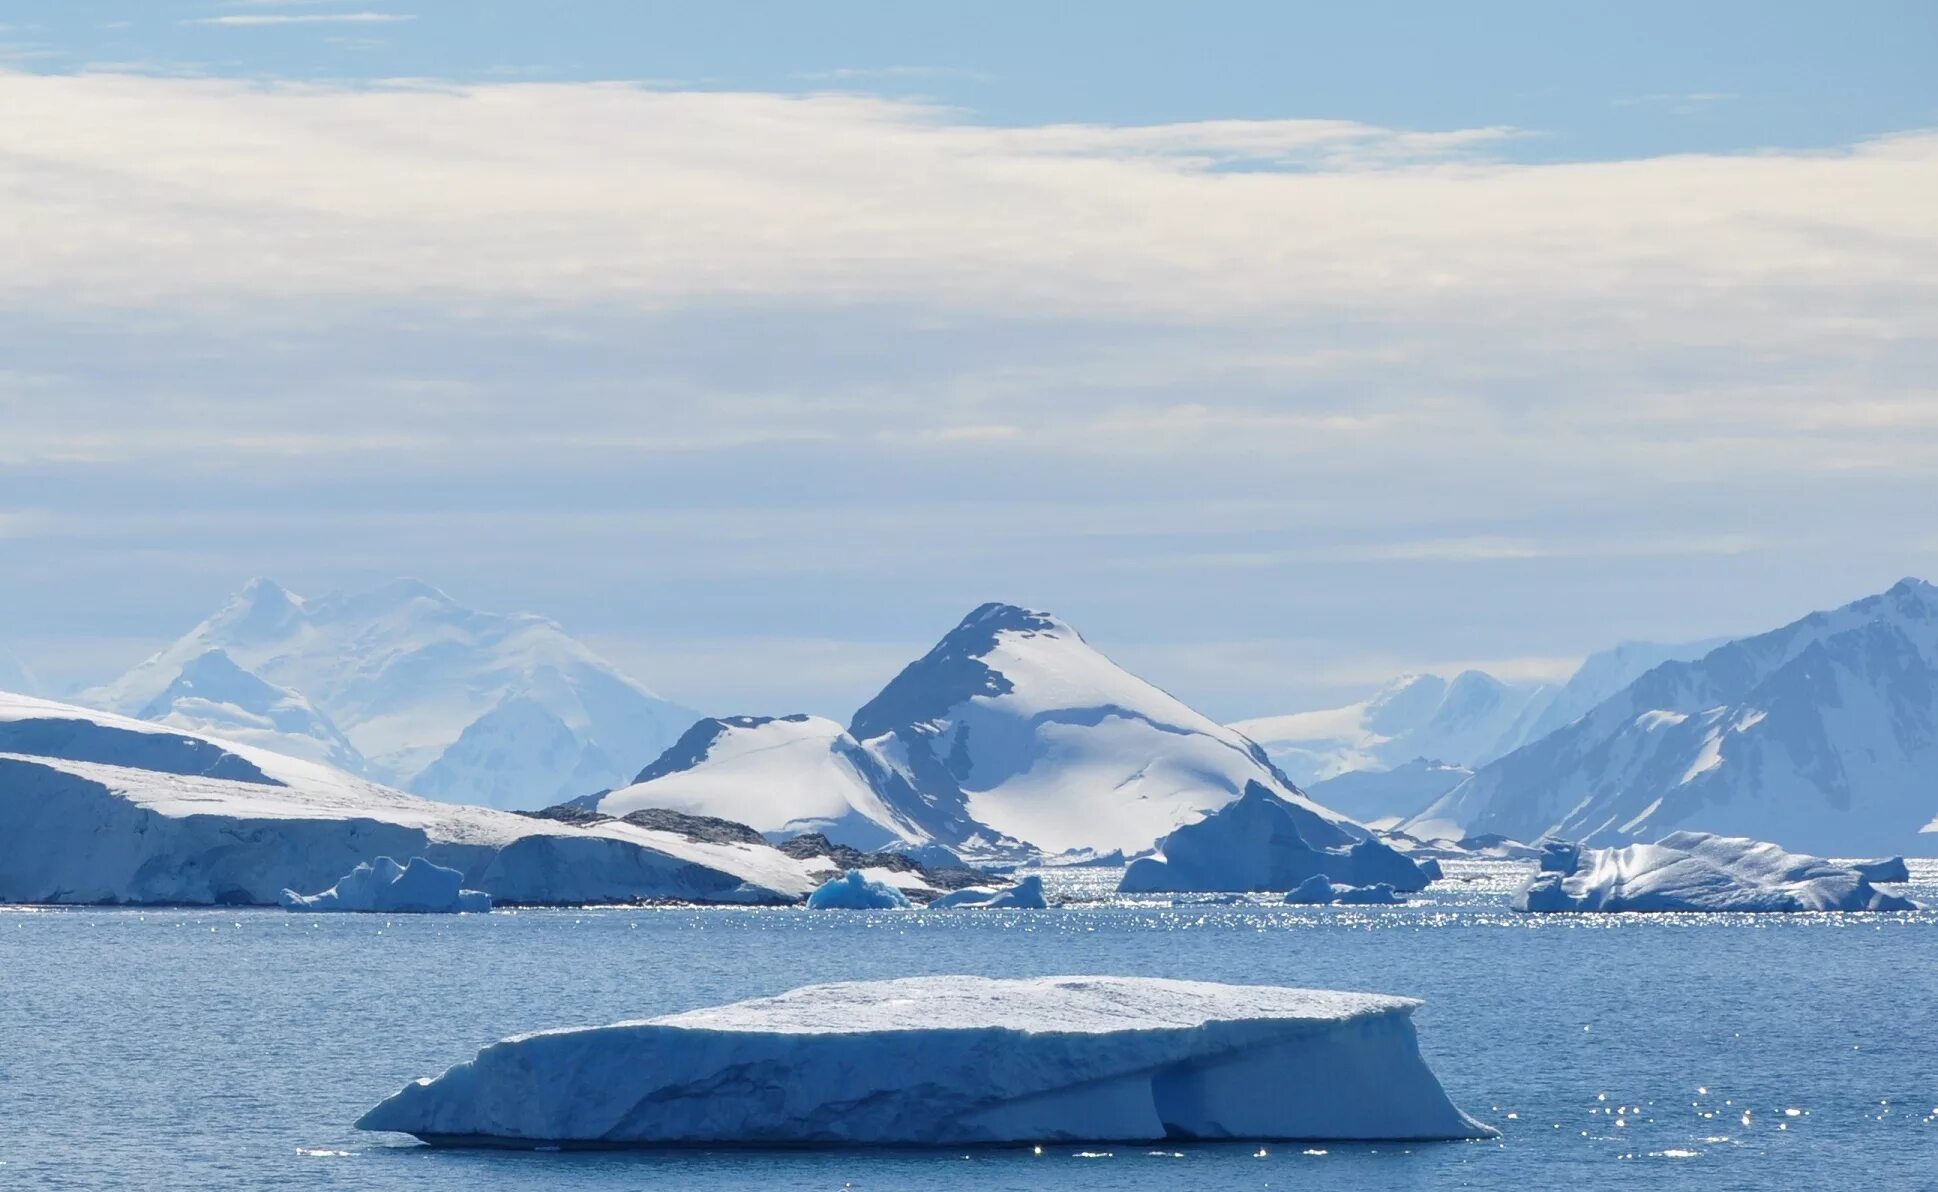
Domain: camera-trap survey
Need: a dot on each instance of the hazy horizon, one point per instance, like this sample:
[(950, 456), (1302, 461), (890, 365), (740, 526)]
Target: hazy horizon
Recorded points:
[(1280, 351)]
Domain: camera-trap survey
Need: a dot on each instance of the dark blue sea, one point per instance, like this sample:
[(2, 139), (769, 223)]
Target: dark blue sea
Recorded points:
[(202, 1049)]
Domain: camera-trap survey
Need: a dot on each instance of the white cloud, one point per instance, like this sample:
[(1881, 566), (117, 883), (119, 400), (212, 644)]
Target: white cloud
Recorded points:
[(305, 18), (223, 191)]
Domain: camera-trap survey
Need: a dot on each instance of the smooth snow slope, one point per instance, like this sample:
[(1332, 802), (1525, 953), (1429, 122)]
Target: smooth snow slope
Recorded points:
[(1821, 736), (930, 1061), (784, 776), (1462, 721), (450, 702), (213, 697), (97, 808), (1014, 729)]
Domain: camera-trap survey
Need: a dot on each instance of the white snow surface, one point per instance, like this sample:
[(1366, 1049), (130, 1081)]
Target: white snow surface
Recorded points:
[(213, 697), (1699, 871), (955, 1060), (783, 776), (451, 702), (1821, 736), (383, 885), (1471, 718), (1014, 729), (1264, 842), (98, 808)]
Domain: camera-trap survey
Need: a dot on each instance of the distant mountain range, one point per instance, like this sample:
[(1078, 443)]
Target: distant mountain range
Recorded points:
[(405, 686), (1012, 733), (1419, 736), (1820, 736)]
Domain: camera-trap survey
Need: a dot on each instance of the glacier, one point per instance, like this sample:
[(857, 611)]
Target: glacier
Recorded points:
[(97, 808), (1265, 842), (857, 891), (1700, 871), (1025, 895), (955, 1060), (383, 885)]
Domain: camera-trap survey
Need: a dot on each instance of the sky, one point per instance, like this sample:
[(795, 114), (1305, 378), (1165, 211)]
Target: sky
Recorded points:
[(1279, 348)]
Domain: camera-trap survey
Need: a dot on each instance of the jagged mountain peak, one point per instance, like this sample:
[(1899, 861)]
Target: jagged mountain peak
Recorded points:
[(1821, 734)]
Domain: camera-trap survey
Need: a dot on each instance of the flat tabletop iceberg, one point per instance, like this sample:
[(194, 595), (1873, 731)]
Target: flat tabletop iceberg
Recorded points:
[(953, 1061), (1698, 871)]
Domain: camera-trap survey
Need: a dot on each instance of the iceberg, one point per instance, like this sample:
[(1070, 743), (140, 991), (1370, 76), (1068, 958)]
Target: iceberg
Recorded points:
[(419, 888), (1026, 895), (1263, 842), (956, 1060), (856, 891), (1317, 890), (1700, 871)]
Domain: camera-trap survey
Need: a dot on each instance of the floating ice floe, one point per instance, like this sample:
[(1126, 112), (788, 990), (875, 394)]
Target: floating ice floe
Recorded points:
[(1263, 842), (1317, 890), (419, 888), (856, 891), (955, 1061), (1698, 871), (1026, 895)]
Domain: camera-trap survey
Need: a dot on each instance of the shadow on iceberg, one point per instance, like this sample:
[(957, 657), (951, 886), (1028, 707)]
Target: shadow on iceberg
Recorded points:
[(1700, 871), (934, 1061), (1260, 841)]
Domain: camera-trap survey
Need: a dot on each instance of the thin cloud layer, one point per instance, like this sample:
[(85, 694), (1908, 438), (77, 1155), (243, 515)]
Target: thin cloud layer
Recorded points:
[(223, 191)]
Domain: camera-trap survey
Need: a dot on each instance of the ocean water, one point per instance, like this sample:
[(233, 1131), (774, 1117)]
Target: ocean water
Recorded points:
[(205, 1049)]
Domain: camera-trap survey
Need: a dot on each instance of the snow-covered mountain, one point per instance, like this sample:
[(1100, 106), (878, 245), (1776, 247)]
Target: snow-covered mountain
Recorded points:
[(785, 776), (1600, 676), (1013, 734), (214, 697), (1014, 728), (1820, 736), (101, 808), (447, 701), (1379, 797), (1468, 719)]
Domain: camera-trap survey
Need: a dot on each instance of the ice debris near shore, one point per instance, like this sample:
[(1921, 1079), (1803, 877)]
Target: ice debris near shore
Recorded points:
[(1317, 890), (419, 888), (955, 1060), (1700, 871), (856, 891), (1263, 842), (1026, 895)]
